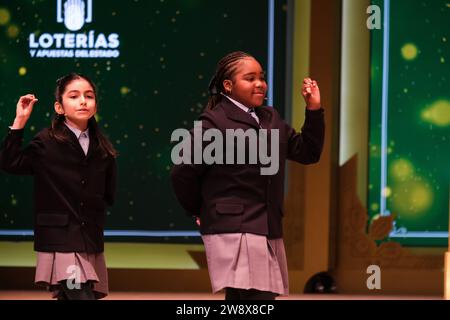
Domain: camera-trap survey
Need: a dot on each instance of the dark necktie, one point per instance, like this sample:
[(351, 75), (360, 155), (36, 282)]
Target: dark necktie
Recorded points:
[(252, 112)]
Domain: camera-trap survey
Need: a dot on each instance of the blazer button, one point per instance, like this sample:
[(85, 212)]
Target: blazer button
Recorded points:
[(81, 204), (83, 223), (83, 182)]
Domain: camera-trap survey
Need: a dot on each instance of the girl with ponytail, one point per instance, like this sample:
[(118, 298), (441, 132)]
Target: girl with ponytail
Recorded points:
[(74, 170)]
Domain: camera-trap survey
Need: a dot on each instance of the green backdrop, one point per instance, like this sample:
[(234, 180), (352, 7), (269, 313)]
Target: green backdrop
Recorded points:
[(167, 54), (411, 69)]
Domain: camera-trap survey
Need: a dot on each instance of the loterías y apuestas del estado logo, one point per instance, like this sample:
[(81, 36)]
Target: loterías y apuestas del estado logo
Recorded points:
[(71, 43)]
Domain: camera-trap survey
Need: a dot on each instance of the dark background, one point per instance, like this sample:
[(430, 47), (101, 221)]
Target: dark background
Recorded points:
[(168, 53)]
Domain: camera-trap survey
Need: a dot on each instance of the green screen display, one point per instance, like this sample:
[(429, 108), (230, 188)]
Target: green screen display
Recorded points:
[(152, 62), (409, 173)]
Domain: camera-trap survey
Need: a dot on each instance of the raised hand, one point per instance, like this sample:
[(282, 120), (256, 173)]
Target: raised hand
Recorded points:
[(23, 110), (311, 94)]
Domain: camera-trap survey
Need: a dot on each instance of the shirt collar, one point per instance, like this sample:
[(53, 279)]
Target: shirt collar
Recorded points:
[(238, 104), (76, 131)]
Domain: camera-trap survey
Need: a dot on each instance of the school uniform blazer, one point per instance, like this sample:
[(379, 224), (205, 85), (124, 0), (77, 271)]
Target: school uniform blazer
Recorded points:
[(71, 190), (236, 198)]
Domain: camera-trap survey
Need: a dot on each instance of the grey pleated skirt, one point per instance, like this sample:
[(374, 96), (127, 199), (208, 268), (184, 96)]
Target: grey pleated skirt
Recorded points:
[(53, 267), (246, 261)]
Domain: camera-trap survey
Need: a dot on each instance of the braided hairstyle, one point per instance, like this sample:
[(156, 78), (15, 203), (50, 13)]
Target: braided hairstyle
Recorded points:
[(225, 70)]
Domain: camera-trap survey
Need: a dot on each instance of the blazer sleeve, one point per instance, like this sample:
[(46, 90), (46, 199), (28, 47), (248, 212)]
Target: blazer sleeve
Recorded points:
[(14, 159), (306, 147), (186, 179), (111, 182)]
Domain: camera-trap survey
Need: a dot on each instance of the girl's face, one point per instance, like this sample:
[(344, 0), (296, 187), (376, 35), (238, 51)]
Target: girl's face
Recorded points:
[(249, 86), (78, 103)]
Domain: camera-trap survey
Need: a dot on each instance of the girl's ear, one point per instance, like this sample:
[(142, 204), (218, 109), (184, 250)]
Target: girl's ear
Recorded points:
[(58, 108), (228, 86)]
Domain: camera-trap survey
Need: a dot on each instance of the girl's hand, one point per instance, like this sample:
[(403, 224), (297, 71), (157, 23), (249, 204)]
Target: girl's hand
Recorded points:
[(197, 221), (23, 110), (311, 94)]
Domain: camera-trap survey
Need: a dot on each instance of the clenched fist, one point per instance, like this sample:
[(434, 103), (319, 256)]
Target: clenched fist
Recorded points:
[(311, 94)]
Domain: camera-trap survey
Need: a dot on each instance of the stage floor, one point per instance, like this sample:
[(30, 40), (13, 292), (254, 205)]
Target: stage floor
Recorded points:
[(42, 295), (146, 271)]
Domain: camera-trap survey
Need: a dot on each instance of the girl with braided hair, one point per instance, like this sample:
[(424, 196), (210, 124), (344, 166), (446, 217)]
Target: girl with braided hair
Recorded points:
[(239, 210)]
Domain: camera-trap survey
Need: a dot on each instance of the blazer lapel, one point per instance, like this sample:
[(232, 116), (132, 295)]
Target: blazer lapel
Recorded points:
[(93, 144), (235, 113), (73, 140), (264, 117)]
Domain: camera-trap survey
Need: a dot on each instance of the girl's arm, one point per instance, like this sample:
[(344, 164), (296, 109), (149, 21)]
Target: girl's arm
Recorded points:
[(24, 109), (12, 158), (187, 178), (306, 147)]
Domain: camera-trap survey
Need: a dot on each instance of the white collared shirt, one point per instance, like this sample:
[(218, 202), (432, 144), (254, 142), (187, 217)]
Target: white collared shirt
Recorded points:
[(240, 105), (82, 136)]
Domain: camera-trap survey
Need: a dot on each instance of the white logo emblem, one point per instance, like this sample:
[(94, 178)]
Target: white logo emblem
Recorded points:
[(74, 43), (74, 14)]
